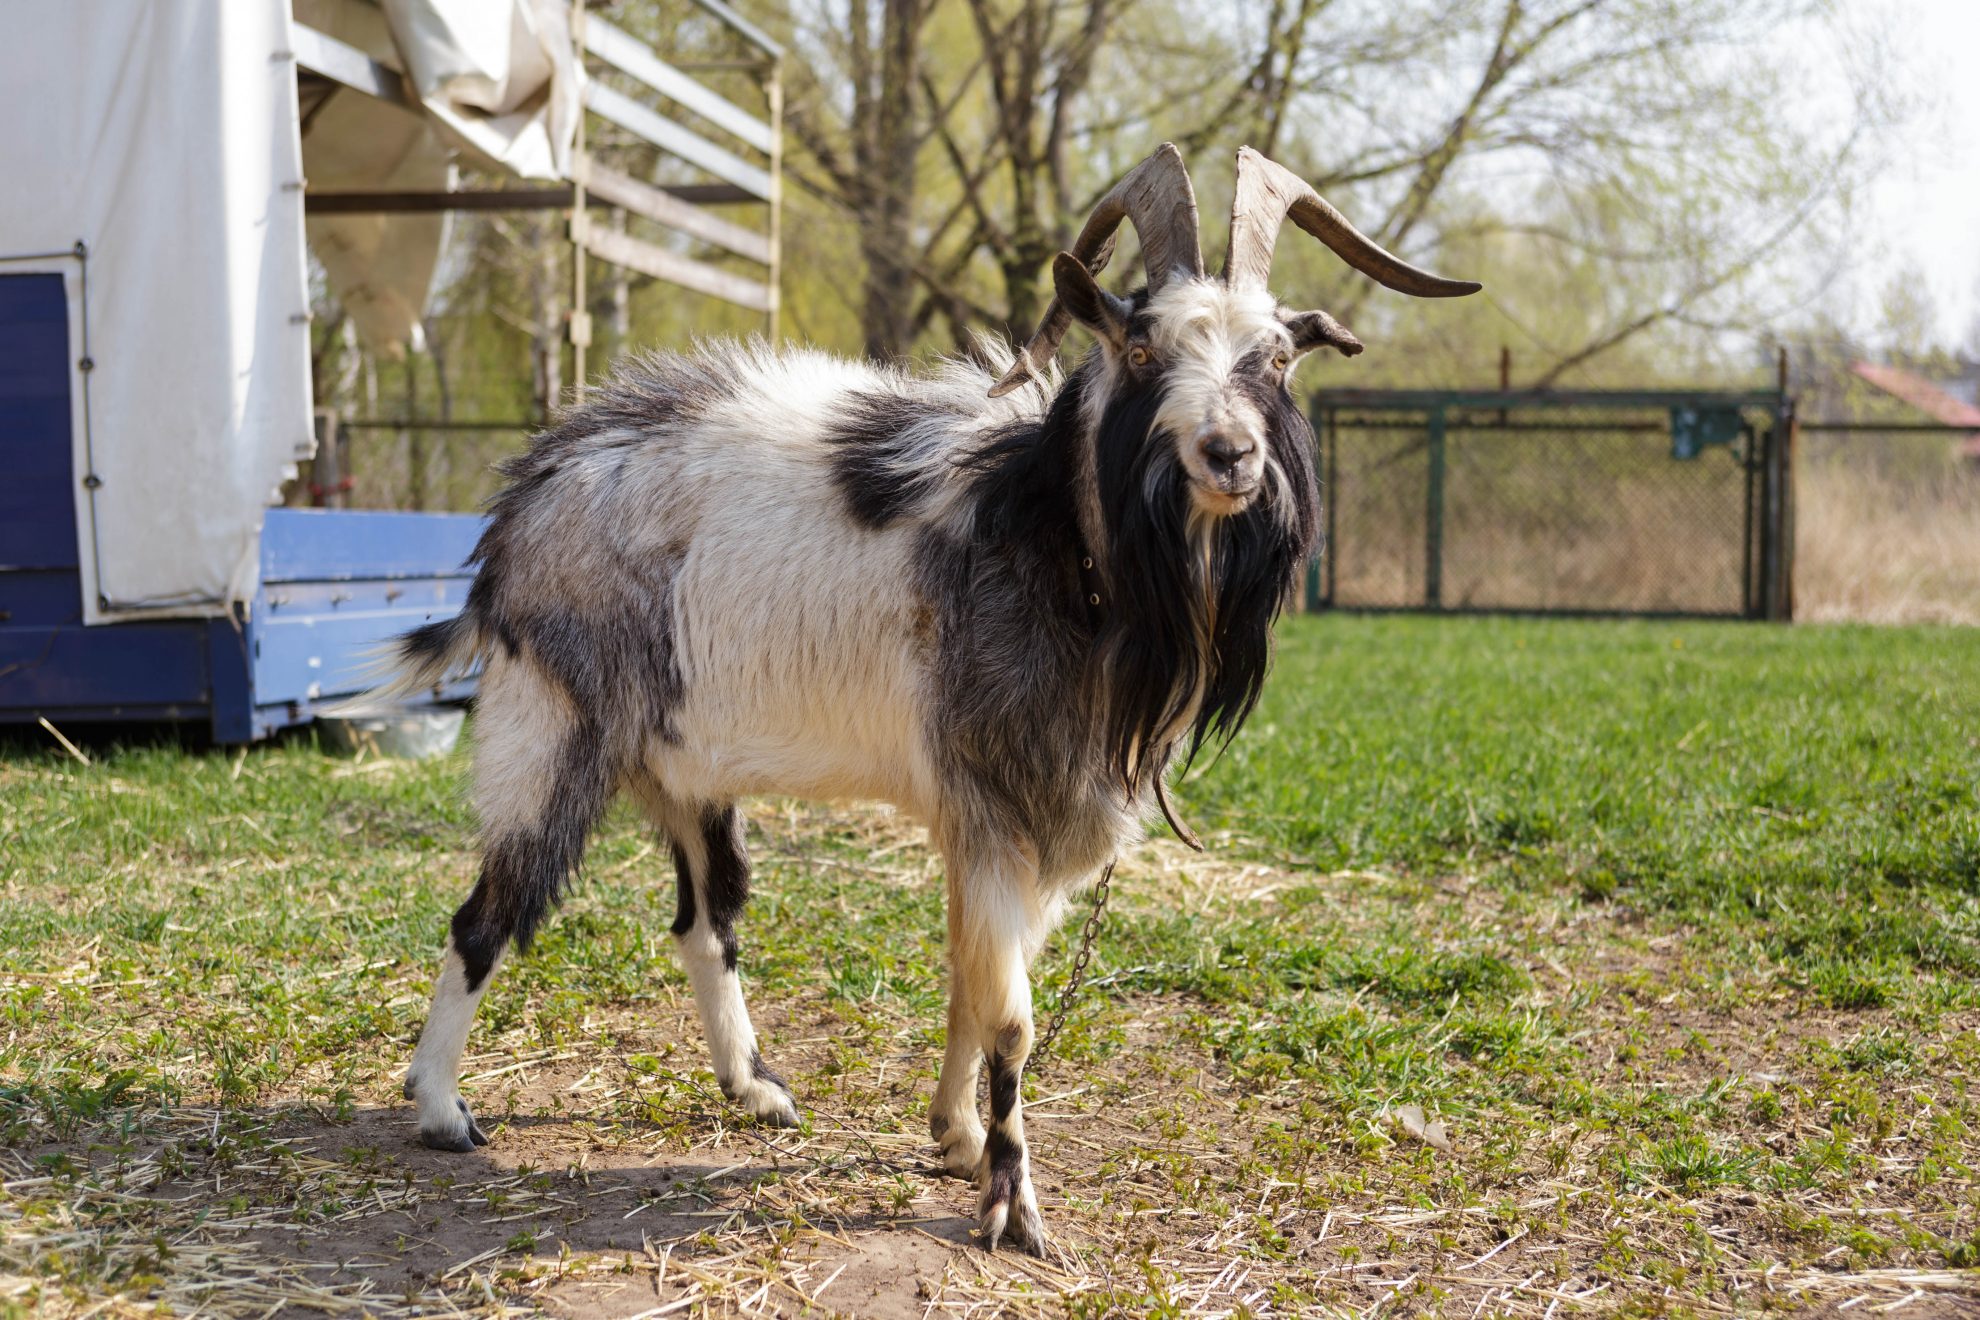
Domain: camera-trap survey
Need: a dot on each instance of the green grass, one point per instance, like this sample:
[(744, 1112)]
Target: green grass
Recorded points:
[(1712, 772), (1667, 920)]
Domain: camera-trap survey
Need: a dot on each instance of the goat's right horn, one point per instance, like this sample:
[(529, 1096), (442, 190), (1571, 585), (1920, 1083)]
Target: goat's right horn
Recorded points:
[(1156, 195), (1267, 193)]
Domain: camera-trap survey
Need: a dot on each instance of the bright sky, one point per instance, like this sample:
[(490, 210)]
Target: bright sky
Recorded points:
[(1926, 209)]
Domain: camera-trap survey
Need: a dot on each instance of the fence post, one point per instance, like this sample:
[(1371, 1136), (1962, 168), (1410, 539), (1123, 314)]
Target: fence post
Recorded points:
[(1776, 517), (1759, 443), (1433, 519), (1782, 601), (1780, 504), (1331, 565), (1319, 594)]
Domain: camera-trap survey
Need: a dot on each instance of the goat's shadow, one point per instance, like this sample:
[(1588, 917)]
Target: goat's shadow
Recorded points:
[(364, 1204)]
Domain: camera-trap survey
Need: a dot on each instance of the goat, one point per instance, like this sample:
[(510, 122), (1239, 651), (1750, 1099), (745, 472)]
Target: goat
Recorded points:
[(1007, 605)]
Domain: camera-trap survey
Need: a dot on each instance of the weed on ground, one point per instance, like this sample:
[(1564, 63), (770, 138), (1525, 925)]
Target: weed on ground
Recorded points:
[(1535, 968)]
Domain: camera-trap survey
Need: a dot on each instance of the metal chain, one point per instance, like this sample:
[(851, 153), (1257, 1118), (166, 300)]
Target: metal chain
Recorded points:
[(1087, 936)]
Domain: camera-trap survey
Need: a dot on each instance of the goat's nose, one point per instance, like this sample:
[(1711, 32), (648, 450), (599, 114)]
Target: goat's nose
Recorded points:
[(1224, 453)]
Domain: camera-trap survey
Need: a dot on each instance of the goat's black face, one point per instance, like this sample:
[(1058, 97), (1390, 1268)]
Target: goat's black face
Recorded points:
[(1198, 375), (1203, 485)]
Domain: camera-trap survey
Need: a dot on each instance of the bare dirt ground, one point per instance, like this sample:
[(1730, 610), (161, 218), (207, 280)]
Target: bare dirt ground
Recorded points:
[(567, 1217), (617, 1185)]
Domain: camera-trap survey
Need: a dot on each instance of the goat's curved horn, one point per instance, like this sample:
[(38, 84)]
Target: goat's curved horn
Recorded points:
[(1156, 195), (1267, 193)]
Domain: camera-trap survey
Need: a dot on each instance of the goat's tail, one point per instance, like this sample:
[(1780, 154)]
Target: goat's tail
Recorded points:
[(425, 658)]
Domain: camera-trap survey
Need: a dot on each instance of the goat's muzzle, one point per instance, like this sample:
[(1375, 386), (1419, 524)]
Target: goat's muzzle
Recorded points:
[(1227, 469)]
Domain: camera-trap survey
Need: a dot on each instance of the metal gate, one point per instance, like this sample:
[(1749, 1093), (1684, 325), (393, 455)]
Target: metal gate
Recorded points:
[(1638, 502)]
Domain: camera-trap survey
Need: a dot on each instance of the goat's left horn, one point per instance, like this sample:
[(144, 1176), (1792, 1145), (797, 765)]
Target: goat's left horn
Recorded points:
[(1267, 193), (1156, 195)]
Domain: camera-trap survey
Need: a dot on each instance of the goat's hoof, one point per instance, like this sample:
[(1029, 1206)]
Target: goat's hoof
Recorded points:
[(1009, 1217), (458, 1132), (768, 1102), (762, 1094), (781, 1112), (961, 1144)]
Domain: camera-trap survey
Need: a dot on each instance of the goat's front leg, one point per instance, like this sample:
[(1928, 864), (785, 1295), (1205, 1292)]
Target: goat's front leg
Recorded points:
[(992, 921), (952, 1117)]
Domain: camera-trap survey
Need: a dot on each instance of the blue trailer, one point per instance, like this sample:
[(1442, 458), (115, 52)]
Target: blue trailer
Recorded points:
[(334, 582), (178, 168)]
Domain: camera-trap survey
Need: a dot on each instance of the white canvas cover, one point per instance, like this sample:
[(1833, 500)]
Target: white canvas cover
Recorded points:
[(505, 73), (163, 136), (495, 80)]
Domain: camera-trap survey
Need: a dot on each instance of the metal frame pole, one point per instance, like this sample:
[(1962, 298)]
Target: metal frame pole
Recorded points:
[(773, 92), (580, 318)]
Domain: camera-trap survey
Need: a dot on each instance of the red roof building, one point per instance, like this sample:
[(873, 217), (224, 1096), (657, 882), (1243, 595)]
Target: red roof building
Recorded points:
[(1928, 398)]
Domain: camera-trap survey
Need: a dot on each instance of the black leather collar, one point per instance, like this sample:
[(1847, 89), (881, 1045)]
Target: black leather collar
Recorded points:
[(1090, 587)]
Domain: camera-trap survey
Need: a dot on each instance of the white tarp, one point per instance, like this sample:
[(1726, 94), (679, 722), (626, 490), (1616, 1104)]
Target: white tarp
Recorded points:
[(380, 267), (496, 79), (506, 71), (163, 136)]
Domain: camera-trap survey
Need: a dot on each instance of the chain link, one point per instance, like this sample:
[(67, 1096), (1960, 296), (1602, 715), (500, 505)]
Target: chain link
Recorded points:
[(1087, 936)]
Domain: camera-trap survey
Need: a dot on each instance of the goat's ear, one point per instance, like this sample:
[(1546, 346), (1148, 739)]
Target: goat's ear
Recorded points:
[(1311, 330), (1092, 306)]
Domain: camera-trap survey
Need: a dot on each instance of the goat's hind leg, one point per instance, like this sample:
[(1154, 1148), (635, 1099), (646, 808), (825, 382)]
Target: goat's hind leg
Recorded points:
[(711, 870), (540, 783)]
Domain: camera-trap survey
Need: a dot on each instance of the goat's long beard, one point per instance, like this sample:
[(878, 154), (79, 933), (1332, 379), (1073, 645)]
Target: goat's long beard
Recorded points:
[(1182, 652), (1156, 650), (1149, 750), (1199, 590)]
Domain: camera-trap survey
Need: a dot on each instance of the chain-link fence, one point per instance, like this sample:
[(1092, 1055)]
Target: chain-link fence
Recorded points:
[(1592, 502)]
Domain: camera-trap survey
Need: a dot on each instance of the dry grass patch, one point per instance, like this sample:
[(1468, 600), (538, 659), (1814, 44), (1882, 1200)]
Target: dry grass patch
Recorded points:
[(1874, 548)]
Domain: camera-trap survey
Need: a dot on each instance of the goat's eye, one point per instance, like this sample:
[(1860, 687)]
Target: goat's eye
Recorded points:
[(1138, 356), (1281, 360)]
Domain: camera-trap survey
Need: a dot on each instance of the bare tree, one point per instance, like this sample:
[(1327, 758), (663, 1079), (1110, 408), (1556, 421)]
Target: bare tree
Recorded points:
[(1525, 119), (869, 159), (1652, 134)]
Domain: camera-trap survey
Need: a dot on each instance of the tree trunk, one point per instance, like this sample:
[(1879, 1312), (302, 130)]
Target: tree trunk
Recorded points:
[(413, 437), (436, 352), (618, 294), (885, 135), (546, 321)]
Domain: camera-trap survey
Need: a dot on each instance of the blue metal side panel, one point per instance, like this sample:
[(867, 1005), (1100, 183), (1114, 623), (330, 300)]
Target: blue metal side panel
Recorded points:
[(38, 595), (37, 495), (336, 545), (49, 663), (336, 585), (231, 715), (336, 582), (316, 640)]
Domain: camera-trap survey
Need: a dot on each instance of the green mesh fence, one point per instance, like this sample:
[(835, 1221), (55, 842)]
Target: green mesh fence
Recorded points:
[(1625, 504)]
